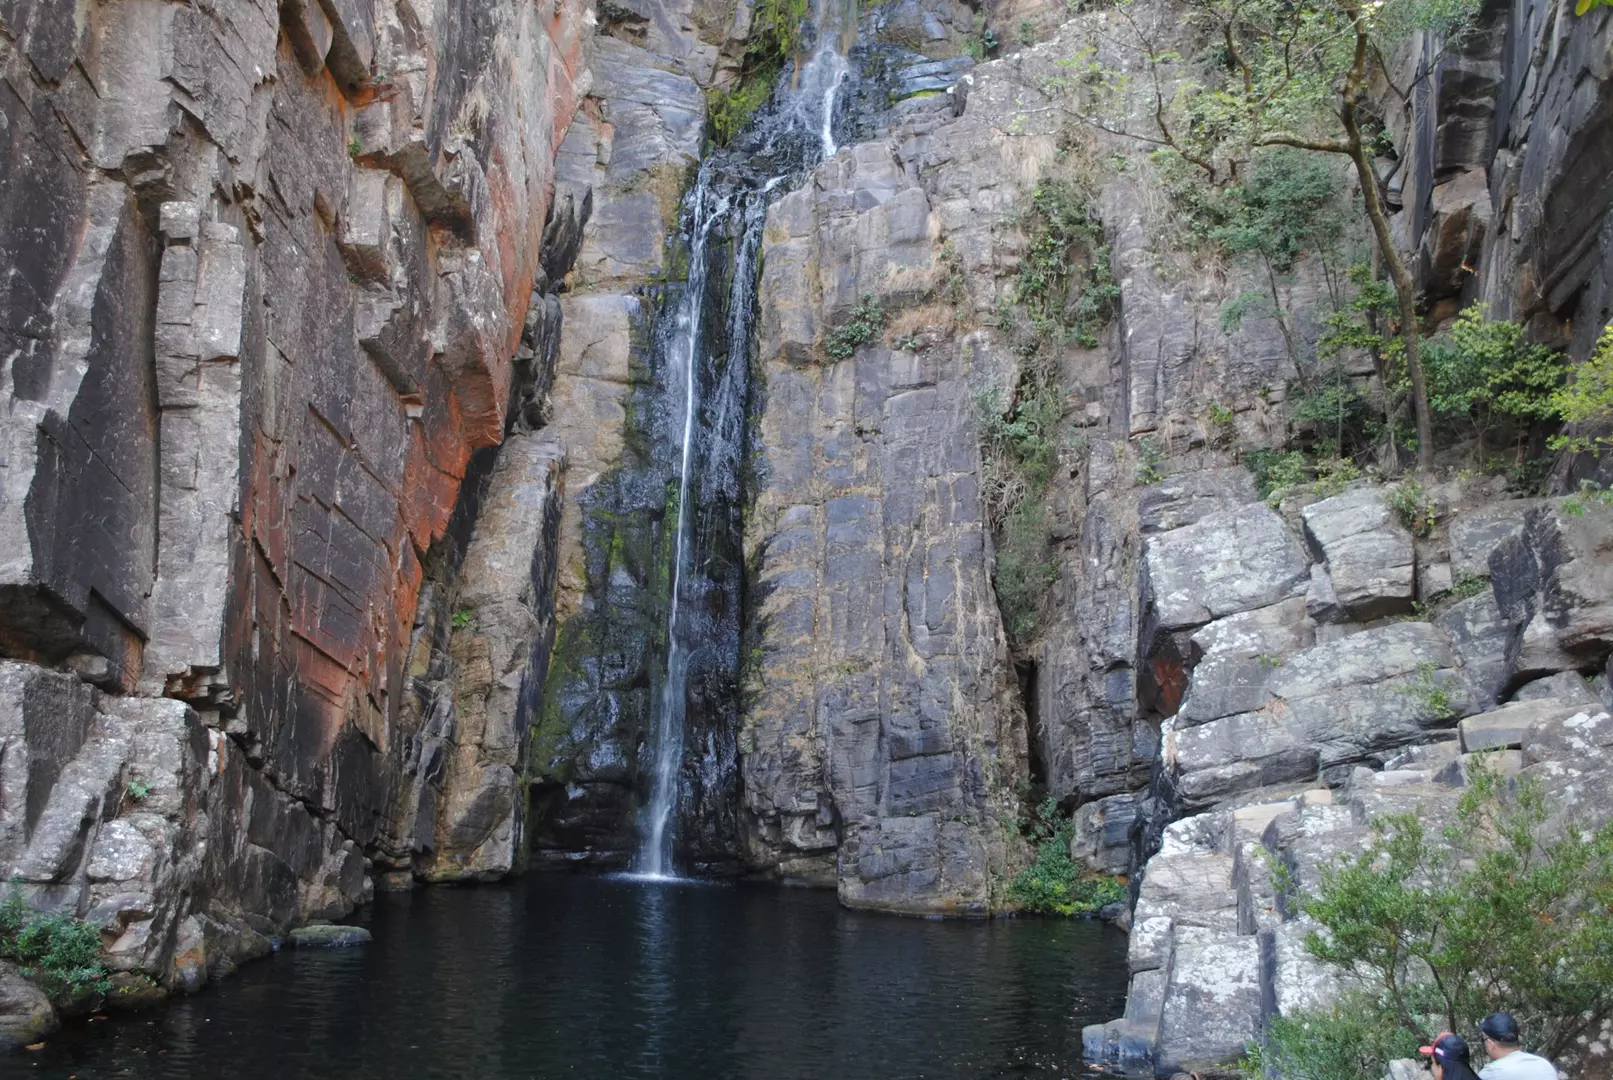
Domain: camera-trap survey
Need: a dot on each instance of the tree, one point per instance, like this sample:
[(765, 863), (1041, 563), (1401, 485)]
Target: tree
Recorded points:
[(1296, 74), (1586, 403)]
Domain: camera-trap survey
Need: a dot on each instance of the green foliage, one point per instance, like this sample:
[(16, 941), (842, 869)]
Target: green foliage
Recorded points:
[(1501, 909), (1065, 255), (1361, 323), (731, 109), (1025, 568), (1064, 293), (1275, 470), (1482, 375), (1019, 451), (1581, 7), (1287, 204), (1428, 690), (1413, 506), (58, 952), (867, 319), (1590, 494), (1020, 445), (1354, 1038), (1149, 458), (775, 35), (983, 41), (460, 619), (137, 789), (1332, 406), (1587, 400), (355, 147), (1054, 883)]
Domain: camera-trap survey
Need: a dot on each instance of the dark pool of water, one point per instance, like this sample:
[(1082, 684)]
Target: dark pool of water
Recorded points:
[(590, 977)]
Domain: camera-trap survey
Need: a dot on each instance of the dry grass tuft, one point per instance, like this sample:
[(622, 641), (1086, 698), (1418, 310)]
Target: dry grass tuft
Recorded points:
[(927, 324)]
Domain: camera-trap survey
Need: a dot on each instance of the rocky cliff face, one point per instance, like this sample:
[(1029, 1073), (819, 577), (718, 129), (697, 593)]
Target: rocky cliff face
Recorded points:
[(328, 351), (267, 269)]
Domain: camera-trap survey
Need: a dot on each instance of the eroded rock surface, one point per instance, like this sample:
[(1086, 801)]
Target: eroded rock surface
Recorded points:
[(268, 270)]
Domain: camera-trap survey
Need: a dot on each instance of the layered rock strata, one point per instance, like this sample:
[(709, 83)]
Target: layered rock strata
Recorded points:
[(268, 269)]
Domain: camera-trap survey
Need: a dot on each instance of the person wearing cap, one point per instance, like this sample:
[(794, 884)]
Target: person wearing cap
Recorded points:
[(1448, 1058), (1508, 1059)]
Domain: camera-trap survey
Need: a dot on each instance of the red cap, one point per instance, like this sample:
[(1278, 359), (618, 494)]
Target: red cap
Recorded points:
[(1428, 1051)]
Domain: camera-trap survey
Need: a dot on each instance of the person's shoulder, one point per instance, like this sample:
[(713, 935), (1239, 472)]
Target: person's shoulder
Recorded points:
[(1534, 1067)]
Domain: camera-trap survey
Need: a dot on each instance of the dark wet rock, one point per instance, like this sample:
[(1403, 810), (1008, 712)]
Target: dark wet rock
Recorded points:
[(329, 936), (26, 1014)]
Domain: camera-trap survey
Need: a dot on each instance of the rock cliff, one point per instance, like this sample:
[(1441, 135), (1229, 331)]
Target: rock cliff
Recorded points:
[(267, 272), (336, 512)]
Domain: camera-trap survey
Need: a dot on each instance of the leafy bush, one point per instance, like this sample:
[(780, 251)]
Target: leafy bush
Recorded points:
[(1287, 204), (1065, 247), (1430, 692), (1149, 458), (1019, 452), (60, 953), (1497, 910), (1332, 406), (867, 319), (1587, 400), (1354, 1038), (1275, 470), (1413, 506), (1019, 447), (1025, 568), (1483, 375), (1054, 884), (731, 109)]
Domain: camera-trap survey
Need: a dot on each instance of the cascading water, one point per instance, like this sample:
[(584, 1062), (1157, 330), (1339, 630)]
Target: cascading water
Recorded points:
[(705, 345)]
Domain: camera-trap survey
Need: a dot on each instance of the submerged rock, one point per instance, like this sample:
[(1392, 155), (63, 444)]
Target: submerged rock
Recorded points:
[(329, 936)]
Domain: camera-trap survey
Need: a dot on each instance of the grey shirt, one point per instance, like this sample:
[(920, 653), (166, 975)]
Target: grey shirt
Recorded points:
[(1519, 1065)]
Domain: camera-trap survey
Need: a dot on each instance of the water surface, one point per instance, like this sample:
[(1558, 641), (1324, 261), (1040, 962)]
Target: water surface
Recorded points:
[(575, 976)]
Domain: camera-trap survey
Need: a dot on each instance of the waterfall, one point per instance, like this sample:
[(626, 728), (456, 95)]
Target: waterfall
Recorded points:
[(704, 341)]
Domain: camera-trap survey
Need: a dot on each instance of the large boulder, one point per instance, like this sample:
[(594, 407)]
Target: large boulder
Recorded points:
[(1369, 554), (1337, 703), (26, 1014), (1554, 585), (1222, 564)]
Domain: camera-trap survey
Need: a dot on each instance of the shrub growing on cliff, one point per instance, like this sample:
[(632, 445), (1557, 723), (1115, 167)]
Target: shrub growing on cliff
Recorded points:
[(1587, 401), (60, 953), (1503, 908), (867, 319), (1019, 450), (1025, 569), (1353, 1040), (775, 33), (1064, 281), (1484, 379), (1055, 884)]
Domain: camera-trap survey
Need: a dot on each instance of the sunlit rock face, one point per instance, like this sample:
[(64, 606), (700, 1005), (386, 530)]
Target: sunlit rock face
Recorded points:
[(267, 270)]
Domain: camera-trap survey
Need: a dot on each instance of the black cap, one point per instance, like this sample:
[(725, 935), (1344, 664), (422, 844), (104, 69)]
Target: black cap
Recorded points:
[(1501, 1027)]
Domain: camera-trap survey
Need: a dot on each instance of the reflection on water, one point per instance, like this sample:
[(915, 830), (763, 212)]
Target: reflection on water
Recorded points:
[(608, 978)]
